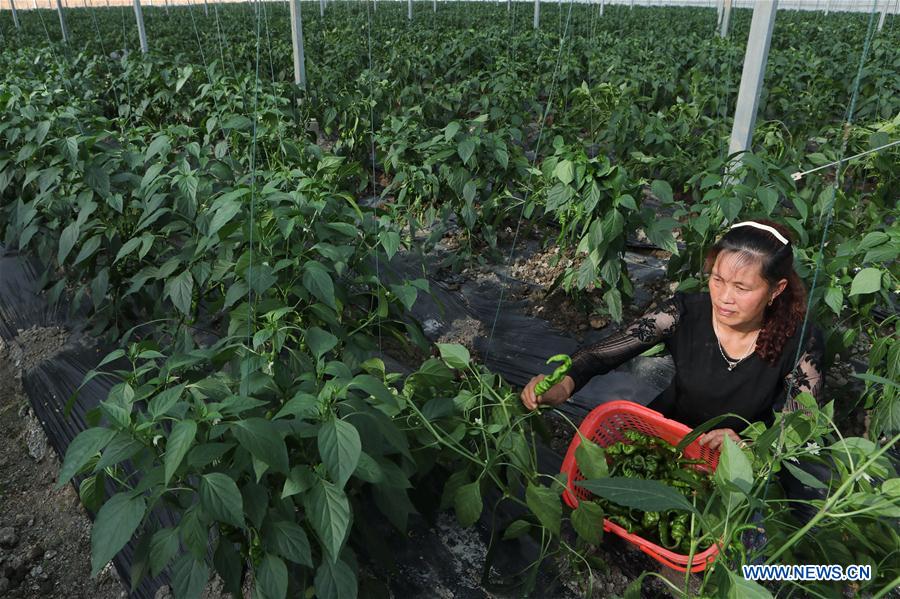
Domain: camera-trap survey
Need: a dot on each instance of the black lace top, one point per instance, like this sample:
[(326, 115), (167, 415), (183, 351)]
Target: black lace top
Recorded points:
[(703, 387)]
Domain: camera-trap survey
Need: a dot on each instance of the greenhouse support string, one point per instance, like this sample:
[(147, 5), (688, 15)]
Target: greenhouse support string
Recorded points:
[(799, 175), (819, 257), (537, 148)]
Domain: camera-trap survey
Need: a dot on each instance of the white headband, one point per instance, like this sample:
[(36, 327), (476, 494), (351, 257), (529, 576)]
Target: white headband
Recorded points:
[(750, 223)]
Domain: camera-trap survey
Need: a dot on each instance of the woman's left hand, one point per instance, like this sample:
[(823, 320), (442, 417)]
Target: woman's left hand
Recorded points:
[(714, 438)]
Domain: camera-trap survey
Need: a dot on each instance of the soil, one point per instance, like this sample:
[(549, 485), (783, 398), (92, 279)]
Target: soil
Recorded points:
[(45, 534)]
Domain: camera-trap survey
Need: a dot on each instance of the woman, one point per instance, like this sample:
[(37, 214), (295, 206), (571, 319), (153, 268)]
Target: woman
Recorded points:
[(735, 348)]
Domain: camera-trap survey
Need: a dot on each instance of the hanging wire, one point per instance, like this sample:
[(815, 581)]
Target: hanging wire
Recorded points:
[(829, 211), (221, 45), (537, 148), (60, 65), (251, 308), (372, 147), (199, 43), (105, 58)]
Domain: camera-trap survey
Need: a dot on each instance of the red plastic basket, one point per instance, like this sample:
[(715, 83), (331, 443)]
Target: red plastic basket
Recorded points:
[(605, 425)]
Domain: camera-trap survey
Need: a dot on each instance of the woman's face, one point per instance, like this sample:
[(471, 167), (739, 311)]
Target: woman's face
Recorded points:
[(738, 291)]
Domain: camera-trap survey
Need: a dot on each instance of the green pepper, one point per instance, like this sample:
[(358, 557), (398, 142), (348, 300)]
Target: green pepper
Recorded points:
[(629, 472), (664, 533), (615, 448), (628, 449), (544, 385), (650, 519), (686, 545), (639, 463)]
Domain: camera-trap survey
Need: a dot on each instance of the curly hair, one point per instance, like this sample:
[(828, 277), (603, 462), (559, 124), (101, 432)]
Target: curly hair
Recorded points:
[(776, 260)]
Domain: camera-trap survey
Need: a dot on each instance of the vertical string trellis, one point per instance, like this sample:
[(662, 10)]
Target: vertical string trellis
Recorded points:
[(251, 308), (537, 147), (829, 213)]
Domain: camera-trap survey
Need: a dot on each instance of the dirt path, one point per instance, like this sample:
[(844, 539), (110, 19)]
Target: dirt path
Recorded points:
[(45, 541)]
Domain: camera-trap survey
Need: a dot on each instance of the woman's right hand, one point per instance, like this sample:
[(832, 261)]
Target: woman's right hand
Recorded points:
[(557, 394)]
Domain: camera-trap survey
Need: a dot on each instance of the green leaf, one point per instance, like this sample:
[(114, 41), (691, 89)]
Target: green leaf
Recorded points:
[(189, 577), (223, 215), (587, 520), (116, 522), (891, 487), (339, 446), (335, 581), (127, 248), (163, 547), (451, 130), (734, 466), (646, 495), (221, 499), (468, 504), (97, 179), (663, 191), (229, 566), (455, 355), (613, 300), (564, 171), (390, 241), (591, 459), (88, 248), (238, 122), (834, 298), (368, 469), (465, 149), (164, 401), (177, 446), (159, 145), (868, 280), (180, 289), (67, 241), (804, 477), (545, 503), (319, 341), (271, 578), (516, 530), (82, 448), (261, 438), (318, 282), (741, 588), (329, 513), (469, 190), (288, 540)]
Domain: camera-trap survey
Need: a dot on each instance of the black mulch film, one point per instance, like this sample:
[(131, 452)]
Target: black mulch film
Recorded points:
[(436, 558)]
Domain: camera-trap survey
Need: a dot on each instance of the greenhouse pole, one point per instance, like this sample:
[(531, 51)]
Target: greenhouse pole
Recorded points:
[(205, 8), (297, 38), (537, 14), (434, 4), (409, 10), (726, 18), (602, 4), (755, 58), (15, 15), (321, 8), (884, 12), (62, 21), (142, 33)]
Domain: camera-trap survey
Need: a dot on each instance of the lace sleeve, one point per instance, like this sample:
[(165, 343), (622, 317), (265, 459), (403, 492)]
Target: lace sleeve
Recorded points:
[(654, 326), (808, 375)]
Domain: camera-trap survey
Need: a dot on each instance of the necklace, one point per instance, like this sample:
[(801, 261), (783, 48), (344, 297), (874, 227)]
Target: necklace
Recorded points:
[(732, 364)]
